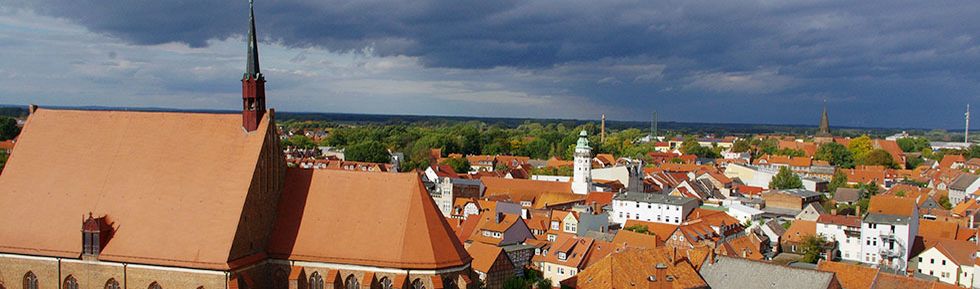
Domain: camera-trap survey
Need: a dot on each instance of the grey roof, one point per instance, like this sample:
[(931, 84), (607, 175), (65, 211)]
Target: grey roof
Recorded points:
[(847, 195), (886, 219), (963, 181), (737, 273), (802, 193), (654, 198), (775, 227)]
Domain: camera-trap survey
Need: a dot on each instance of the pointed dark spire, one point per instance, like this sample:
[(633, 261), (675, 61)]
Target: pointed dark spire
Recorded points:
[(252, 66), (824, 122)]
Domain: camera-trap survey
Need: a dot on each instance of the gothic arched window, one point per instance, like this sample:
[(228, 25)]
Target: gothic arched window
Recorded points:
[(111, 284), (316, 282), (351, 282), (154, 285), (30, 281), (417, 284), (70, 283), (386, 283)]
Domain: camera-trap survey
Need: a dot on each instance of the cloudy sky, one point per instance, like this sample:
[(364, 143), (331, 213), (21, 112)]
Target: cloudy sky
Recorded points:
[(874, 63)]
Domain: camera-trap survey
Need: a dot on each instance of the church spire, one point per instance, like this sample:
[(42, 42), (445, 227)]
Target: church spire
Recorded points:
[(252, 66), (253, 83), (824, 123)]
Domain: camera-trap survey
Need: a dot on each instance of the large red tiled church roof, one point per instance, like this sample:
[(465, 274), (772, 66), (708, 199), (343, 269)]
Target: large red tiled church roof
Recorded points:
[(384, 220), (173, 185)]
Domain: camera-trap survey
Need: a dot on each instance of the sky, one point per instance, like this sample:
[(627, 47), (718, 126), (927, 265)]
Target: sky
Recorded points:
[(872, 63)]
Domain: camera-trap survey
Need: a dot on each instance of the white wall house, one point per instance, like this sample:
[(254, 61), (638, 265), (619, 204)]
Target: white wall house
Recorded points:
[(651, 208), (963, 187), (951, 261), (744, 213), (846, 232), (887, 239)]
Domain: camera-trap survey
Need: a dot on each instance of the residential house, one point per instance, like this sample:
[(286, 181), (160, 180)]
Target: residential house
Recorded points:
[(500, 229), (744, 214), (848, 196), (491, 264), (811, 212), (793, 200), (651, 207), (951, 261), (963, 187), (845, 232), (448, 186), (565, 258), (774, 232), (792, 240), (888, 231)]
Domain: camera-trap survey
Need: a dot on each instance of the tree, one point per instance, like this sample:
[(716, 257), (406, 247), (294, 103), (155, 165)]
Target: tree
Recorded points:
[(690, 145), (369, 151), (860, 146), (8, 128), (785, 179), (878, 157), (835, 154), (741, 146), (3, 160), (913, 144), (459, 165), (944, 202), (839, 180), (300, 141), (543, 284), (812, 247)]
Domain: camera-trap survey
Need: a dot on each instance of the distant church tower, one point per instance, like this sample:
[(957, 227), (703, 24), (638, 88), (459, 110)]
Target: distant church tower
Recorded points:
[(582, 178), (823, 135), (253, 83)]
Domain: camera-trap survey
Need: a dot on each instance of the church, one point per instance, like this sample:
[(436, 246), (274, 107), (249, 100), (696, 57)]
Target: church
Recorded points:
[(167, 200)]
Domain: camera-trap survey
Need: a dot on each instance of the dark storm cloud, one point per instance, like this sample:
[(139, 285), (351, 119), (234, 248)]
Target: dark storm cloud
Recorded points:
[(739, 55)]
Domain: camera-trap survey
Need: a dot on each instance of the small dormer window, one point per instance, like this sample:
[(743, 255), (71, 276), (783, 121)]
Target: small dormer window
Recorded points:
[(562, 256), (95, 233)]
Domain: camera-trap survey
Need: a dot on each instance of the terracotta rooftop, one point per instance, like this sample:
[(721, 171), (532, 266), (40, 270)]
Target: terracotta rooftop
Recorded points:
[(850, 276), (626, 238), (842, 220), (892, 205), (632, 268), (406, 230), (484, 255), (798, 230), (174, 184)]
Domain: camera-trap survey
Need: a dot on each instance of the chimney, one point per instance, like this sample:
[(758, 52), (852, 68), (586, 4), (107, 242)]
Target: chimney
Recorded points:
[(833, 211), (857, 211), (711, 256)]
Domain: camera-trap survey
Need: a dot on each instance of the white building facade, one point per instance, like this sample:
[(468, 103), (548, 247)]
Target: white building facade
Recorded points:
[(887, 239), (651, 208)]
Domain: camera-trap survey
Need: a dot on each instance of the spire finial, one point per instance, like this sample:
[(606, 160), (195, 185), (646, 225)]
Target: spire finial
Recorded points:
[(252, 66)]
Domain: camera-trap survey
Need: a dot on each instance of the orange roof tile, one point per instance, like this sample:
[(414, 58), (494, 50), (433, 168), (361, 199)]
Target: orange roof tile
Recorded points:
[(799, 230), (181, 211), (484, 255), (850, 276), (892, 205), (935, 229), (317, 205), (626, 238), (630, 268), (663, 231)]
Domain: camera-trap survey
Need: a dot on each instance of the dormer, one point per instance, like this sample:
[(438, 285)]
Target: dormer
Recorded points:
[(95, 234)]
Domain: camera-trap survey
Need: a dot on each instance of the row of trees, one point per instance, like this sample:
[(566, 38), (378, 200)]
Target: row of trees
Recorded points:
[(535, 140)]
